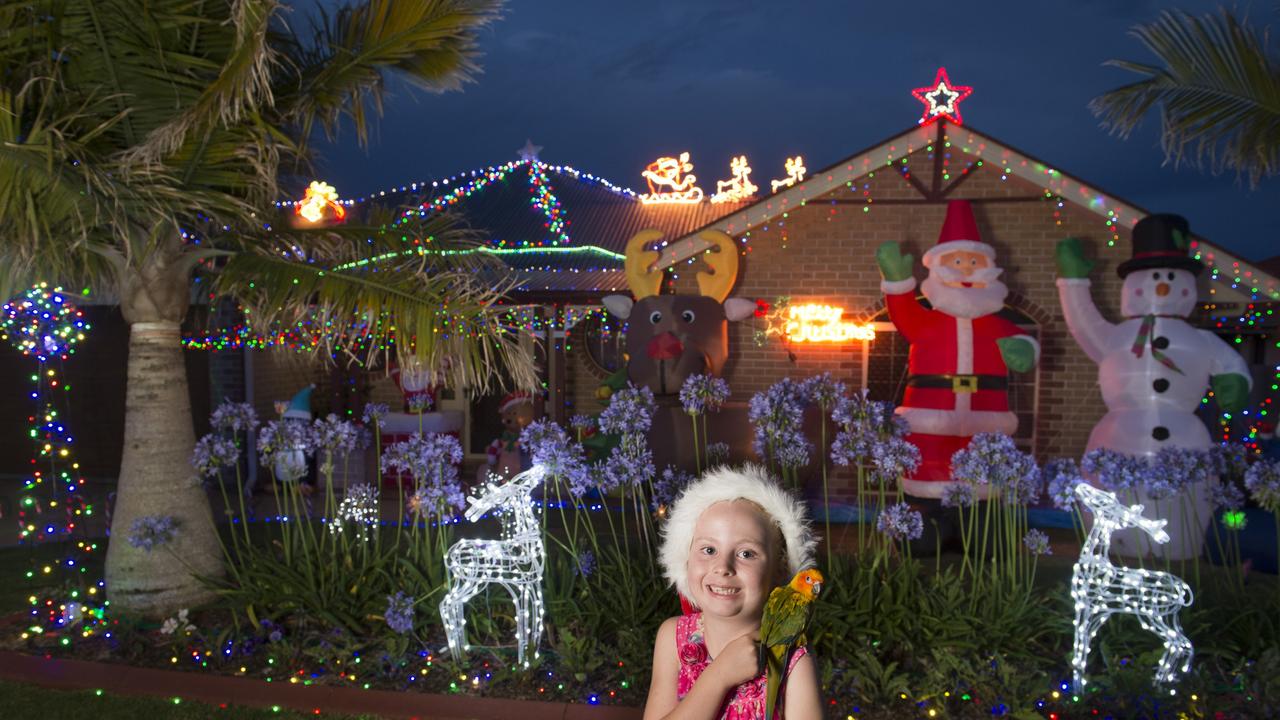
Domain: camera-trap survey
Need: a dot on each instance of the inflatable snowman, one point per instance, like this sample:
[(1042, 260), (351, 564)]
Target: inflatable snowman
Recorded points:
[(1153, 368)]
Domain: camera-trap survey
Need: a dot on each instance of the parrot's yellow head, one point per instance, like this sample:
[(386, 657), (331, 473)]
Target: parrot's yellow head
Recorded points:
[(807, 582)]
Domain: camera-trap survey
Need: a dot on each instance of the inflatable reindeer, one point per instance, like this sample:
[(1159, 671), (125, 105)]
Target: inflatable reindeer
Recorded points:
[(670, 337)]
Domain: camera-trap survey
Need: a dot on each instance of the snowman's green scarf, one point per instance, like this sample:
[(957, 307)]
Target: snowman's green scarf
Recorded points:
[(1145, 338)]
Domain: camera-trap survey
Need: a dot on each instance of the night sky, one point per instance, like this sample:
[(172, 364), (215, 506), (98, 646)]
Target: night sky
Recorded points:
[(606, 87)]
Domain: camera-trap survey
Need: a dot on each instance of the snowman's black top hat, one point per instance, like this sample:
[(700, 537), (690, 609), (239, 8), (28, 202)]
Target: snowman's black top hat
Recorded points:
[(1161, 241)]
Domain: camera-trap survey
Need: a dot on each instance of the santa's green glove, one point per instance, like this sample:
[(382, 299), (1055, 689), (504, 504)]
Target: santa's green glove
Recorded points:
[(1069, 254), (1018, 353), (1230, 390), (894, 265)]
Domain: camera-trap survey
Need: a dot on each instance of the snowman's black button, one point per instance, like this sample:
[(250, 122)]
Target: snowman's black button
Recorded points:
[(1160, 385), (1160, 343), (1160, 432)]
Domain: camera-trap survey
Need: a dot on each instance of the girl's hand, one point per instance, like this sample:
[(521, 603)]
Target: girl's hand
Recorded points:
[(739, 661)]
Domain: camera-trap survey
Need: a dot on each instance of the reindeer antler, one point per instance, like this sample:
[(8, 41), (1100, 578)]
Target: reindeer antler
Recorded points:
[(724, 265), (640, 279)]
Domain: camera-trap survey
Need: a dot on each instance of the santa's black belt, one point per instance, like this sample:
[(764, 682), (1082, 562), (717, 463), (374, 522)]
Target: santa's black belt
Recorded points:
[(960, 383)]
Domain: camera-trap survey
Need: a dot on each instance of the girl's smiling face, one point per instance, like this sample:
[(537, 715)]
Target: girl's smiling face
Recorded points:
[(734, 560)]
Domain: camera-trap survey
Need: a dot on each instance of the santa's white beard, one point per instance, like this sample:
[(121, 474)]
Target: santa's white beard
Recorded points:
[(965, 302)]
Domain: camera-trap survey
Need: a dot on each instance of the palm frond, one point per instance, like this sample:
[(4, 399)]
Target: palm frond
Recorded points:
[(1218, 90)]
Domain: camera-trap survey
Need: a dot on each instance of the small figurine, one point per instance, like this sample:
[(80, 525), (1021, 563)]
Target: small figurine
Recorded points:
[(291, 465), (505, 456)]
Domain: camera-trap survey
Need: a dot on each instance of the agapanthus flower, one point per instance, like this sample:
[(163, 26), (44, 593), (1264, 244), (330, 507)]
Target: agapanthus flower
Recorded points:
[(860, 415), (540, 436), (1173, 469), (891, 459), (900, 522), (359, 505), (336, 436), (703, 393), (285, 436), (1115, 471), (1062, 475), (630, 411), (582, 423), (151, 531), (586, 563), (958, 494), (428, 501), (432, 458), (1037, 542), (561, 456), (374, 413), (778, 417), (399, 613), (1263, 482), (419, 402), (212, 453), (668, 485), (824, 390), (717, 454), (1226, 495), (234, 417), (994, 459), (626, 468), (1229, 460)]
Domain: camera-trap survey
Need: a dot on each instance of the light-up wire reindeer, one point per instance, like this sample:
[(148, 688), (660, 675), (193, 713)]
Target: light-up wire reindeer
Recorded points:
[(1100, 589), (515, 562)]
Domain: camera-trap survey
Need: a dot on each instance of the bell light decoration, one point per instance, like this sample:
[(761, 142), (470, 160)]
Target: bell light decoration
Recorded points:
[(1100, 589), (514, 561)]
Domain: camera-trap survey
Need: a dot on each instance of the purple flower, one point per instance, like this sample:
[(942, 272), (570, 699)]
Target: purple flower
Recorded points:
[(374, 412), (336, 437), (551, 447), (419, 402), (1115, 471), (1263, 482), (891, 459), (630, 411), (428, 501), (212, 453), (151, 531), (778, 416), (823, 390), (284, 436), (582, 423), (900, 522), (1226, 495), (703, 393), (717, 454), (1173, 469), (234, 417), (668, 486), (432, 458), (626, 467), (1063, 476), (586, 563), (399, 613), (958, 494), (1229, 460), (864, 423), (1037, 542), (993, 459)]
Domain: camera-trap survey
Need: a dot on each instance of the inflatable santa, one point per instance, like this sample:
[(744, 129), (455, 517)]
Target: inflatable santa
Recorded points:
[(961, 350)]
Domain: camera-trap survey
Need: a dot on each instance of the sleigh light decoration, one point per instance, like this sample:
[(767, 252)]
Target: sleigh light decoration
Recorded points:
[(670, 181), (514, 562), (670, 337), (1100, 589)]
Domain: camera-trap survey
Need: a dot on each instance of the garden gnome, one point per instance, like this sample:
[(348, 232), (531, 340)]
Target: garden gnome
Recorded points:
[(291, 465), (505, 455), (961, 350), (1153, 366)]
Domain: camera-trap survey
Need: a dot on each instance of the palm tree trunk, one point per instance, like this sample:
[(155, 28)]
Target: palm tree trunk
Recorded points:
[(156, 478)]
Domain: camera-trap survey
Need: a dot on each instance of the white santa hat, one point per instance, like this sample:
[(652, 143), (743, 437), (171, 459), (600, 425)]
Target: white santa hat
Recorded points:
[(959, 232), (724, 484)]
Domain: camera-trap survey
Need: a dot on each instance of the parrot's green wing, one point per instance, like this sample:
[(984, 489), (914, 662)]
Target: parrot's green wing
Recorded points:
[(786, 616)]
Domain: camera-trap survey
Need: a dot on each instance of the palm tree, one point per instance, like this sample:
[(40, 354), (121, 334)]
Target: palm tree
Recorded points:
[(141, 140), (1218, 89)]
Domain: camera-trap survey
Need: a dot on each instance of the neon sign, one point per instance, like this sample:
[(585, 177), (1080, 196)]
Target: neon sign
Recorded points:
[(823, 323)]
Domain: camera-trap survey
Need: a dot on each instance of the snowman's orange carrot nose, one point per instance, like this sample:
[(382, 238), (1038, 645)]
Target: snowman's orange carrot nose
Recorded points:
[(1162, 289)]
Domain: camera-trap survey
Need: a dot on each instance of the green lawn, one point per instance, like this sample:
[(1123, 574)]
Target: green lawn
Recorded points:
[(29, 702)]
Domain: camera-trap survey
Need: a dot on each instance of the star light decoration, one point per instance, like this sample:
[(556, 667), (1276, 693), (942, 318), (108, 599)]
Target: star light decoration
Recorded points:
[(1100, 589), (514, 562), (941, 99)]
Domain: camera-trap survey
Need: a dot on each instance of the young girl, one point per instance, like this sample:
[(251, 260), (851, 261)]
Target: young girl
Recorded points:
[(731, 538)]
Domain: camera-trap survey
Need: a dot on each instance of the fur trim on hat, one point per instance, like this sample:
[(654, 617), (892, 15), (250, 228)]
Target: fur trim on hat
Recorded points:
[(751, 482), (932, 254)]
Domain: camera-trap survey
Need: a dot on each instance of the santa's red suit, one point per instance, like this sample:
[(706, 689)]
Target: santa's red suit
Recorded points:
[(957, 383)]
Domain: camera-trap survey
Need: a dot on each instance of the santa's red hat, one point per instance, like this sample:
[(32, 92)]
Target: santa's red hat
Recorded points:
[(518, 397), (959, 232)]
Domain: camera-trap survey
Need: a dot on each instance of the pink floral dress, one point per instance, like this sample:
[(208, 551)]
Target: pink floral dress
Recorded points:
[(747, 702)]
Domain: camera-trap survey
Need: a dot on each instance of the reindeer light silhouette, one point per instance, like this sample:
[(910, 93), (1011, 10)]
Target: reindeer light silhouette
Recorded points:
[(514, 561), (1100, 589)]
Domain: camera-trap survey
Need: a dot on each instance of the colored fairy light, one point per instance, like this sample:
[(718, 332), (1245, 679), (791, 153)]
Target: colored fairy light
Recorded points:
[(795, 173), (670, 181), (514, 562), (737, 188), (1100, 589), (941, 99), (321, 199)]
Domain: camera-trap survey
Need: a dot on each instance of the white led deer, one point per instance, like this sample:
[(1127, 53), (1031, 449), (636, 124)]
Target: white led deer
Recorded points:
[(1100, 589), (515, 562)]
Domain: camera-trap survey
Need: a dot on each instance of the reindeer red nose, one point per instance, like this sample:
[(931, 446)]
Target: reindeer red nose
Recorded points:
[(665, 347)]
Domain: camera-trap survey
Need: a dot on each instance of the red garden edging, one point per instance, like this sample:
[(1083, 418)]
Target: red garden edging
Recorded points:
[(217, 689)]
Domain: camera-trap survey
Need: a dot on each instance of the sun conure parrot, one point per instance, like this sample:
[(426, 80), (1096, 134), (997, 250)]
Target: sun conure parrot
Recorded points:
[(782, 629)]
